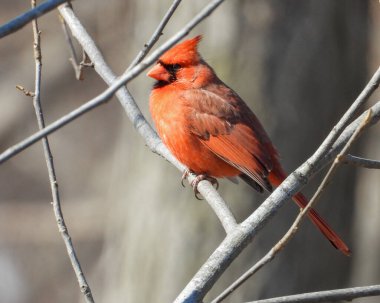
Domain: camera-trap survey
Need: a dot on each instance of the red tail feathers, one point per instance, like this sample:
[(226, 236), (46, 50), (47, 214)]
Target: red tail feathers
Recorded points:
[(276, 177), (322, 225)]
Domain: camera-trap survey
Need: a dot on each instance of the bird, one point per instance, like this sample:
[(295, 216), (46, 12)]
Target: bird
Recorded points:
[(212, 131)]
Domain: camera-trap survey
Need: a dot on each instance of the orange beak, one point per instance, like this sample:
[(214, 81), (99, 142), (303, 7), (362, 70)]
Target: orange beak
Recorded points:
[(159, 73)]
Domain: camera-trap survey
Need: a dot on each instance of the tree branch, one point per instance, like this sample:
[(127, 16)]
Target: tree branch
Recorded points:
[(131, 108), (84, 287), (239, 238), (20, 21), (368, 90), (135, 116), (361, 162), (295, 226), (346, 294)]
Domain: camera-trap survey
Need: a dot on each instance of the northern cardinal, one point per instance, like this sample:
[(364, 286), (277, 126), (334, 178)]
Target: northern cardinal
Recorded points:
[(211, 130)]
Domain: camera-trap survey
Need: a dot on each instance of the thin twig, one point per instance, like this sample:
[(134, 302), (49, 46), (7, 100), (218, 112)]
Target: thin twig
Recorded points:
[(368, 90), (26, 92), (156, 35), (20, 21), (69, 41), (361, 162), (295, 226), (345, 294), (78, 66), (84, 287)]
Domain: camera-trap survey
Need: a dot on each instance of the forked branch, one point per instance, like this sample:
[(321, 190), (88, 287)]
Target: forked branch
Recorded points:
[(295, 226)]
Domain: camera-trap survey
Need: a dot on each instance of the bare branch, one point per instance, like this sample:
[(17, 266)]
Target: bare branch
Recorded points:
[(84, 287), (368, 90), (136, 118), (28, 16), (219, 206), (223, 256), (345, 294), (346, 135), (295, 226), (361, 162), (239, 238), (156, 35)]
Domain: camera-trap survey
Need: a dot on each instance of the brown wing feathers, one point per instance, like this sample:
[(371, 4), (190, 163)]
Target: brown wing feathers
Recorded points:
[(214, 121)]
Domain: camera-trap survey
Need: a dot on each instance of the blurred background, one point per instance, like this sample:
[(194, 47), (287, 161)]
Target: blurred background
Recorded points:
[(139, 235)]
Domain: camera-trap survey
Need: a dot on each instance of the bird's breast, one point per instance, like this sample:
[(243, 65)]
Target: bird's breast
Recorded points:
[(171, 117)]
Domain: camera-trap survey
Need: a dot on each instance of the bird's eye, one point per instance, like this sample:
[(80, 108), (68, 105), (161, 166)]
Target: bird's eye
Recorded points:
[(173, 67), (176, 66)]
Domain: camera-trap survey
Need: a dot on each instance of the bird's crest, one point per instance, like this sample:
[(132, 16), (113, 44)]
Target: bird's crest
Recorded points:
[(185, 53)]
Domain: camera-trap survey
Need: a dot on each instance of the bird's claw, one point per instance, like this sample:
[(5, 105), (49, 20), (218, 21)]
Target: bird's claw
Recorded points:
[(184, 176), (200, 178)]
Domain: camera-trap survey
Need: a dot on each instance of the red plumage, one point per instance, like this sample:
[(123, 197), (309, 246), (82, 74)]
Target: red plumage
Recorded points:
[(211, 130)]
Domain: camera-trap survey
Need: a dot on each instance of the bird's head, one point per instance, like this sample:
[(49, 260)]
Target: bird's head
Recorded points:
[(179, 64)]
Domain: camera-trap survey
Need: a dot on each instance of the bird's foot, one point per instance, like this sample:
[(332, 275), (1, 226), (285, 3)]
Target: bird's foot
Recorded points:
[(200, 178), (195, 182)]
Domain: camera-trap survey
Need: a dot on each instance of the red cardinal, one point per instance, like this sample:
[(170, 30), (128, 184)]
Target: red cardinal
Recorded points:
[(211, 130)]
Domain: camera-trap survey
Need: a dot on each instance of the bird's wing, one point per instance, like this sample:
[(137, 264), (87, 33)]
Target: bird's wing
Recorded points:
[(225, 125)]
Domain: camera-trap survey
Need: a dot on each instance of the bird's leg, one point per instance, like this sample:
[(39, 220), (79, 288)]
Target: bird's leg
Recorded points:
[(200, 178)]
